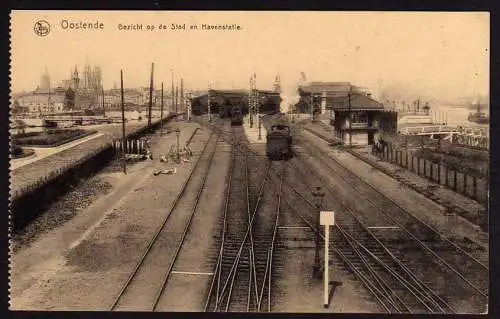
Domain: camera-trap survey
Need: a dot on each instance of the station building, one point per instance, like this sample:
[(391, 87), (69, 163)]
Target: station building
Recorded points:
[(221, 101), (355, 115)]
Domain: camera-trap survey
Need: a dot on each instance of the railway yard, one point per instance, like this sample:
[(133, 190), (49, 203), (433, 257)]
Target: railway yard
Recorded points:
[(231, 231)]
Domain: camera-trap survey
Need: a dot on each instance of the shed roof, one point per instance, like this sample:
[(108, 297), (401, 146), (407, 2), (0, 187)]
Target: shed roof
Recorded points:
[(319, 87), (358, 102)]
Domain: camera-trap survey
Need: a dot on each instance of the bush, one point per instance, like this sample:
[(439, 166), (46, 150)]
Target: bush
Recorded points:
[(17, 151), (26, 134), (51, 137)]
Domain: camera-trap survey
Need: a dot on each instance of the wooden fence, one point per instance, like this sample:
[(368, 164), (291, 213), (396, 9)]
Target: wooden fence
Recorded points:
[(135, 146), (461, 182)]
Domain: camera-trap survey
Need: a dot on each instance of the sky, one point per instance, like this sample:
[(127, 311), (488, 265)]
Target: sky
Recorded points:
[(438, 54)]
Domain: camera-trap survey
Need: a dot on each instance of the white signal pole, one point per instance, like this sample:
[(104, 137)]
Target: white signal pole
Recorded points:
[(327, 219)]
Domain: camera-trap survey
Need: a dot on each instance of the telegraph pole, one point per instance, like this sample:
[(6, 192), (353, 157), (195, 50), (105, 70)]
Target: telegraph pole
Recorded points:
[(182, 95), (172, 93), (350, 116), (257, 101), (123, 125), (176, 99), (151, 94), (209, 102), (251, 104), (188, 104), (311, 106), (161, 111), (103, 107)]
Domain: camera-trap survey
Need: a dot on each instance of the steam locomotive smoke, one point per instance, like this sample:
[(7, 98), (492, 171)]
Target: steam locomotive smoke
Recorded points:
[(289, 93)]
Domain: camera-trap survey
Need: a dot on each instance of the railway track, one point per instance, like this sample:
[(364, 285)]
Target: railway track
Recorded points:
[(453, 261), (242, 280), (409, 183), (384, 272), (146, 284), (388, 280)]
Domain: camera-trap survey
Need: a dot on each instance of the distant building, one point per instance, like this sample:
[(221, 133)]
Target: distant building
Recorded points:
[(112, 98), (356, 116), (45, 81), (86, 91), (43, 101), (223, 100)]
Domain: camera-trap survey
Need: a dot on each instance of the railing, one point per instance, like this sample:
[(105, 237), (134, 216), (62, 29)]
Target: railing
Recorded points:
[(429, 129), (358, 125)]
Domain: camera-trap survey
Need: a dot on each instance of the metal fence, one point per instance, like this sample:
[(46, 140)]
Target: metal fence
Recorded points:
[(461, 182)]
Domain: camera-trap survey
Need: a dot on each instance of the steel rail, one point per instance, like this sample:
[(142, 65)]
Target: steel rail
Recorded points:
[(252, 268), (218, 268), (361, 276), (392, 219), (394, 258), (275, 232), (403, 282), (444, 238), (384, 287), (386, 250), (364, 280), (268, 271), (236, 260), (294, 190), (185, 231), (159, 229), (252, 252)]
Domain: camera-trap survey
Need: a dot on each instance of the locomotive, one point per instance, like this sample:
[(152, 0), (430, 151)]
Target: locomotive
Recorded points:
[(279, 142), (236, 115)]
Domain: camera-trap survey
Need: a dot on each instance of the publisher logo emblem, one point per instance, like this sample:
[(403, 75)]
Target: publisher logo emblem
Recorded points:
[(42, 28)]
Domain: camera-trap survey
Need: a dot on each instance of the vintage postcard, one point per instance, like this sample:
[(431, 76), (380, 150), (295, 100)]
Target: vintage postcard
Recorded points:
[(302, 162)]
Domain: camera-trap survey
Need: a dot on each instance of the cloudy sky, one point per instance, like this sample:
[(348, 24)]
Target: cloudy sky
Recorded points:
[(438, 54)]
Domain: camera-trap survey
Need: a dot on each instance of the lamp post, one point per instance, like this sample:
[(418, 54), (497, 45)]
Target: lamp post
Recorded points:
[(188, 104), (123, 124), (177, 133), (318, 195)]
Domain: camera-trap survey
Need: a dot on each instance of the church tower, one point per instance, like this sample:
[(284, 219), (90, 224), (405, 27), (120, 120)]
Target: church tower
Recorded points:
[(277, 84), (75, 81)]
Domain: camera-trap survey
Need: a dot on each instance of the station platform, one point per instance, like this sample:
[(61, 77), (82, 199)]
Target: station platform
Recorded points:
[(252, 133)]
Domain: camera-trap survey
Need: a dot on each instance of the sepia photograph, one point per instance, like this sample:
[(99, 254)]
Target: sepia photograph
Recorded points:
[(258, 161)]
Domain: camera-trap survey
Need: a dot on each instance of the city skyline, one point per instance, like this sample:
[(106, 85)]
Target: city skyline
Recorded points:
[(437, 54)]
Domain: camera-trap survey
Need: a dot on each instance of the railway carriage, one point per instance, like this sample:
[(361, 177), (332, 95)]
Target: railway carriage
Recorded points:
[(279, 142)]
